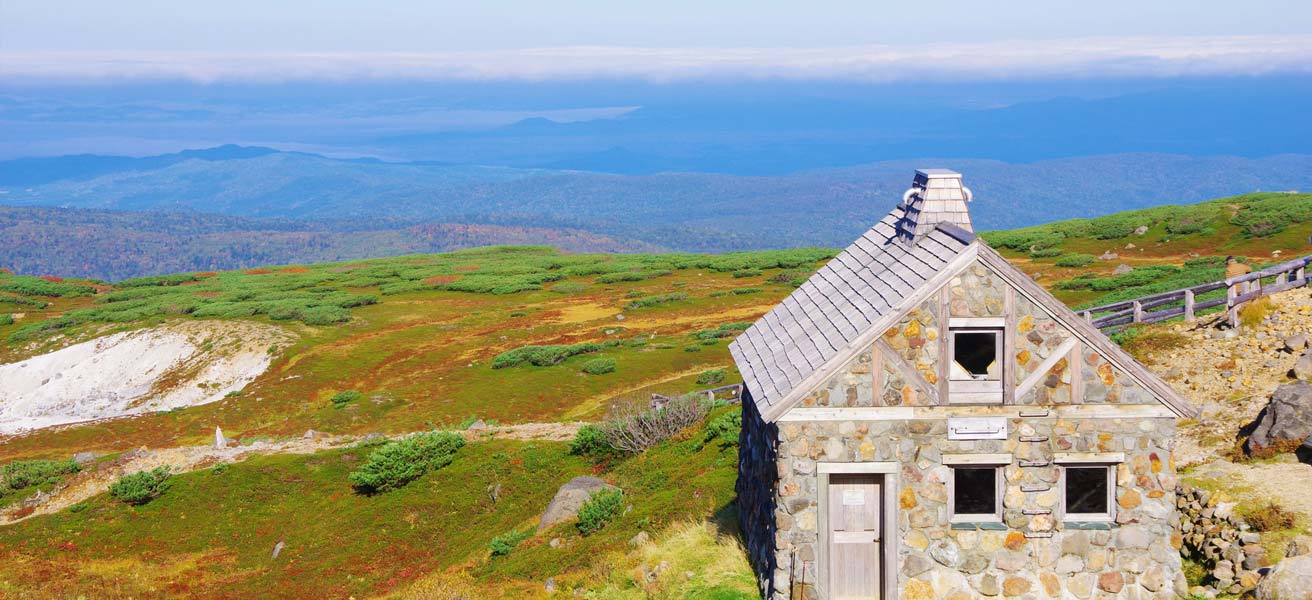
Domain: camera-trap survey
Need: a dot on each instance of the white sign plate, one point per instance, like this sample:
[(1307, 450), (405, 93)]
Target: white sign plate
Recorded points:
[(977, 428), (854, 498)]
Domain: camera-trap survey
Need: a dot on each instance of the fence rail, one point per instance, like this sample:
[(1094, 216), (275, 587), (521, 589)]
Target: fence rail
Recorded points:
[(1182, 303), (736, 389)]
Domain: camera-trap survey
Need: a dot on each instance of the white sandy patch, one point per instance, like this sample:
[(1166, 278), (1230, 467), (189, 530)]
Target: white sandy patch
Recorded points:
[(170, 366)]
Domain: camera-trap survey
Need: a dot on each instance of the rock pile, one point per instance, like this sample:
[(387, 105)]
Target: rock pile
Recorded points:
[(1213, 536)]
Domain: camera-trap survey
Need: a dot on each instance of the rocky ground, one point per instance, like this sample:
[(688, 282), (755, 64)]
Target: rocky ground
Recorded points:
[(1228, 374), (185, 363)]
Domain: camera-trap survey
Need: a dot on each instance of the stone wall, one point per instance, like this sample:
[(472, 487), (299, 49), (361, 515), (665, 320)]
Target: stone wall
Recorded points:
[(1033, 553), (1220, 541), (756, 488)]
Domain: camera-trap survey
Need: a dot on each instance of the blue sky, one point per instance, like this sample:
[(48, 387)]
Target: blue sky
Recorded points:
[(868, 39)]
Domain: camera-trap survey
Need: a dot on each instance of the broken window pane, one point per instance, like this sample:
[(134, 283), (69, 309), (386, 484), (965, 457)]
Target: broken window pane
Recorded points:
[(974, 355)]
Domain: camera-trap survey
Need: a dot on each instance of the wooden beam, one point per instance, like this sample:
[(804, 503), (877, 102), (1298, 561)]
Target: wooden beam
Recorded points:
[(908, 371), (1062, 351), (1087, 333), (803, 414)]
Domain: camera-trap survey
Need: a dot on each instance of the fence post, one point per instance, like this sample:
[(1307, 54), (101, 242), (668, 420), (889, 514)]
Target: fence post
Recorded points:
[(1138, 312), (1189, 306), (1232, 311)]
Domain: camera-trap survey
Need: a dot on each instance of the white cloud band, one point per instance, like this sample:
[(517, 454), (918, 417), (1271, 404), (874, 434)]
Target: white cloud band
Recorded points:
[(1084, 57)]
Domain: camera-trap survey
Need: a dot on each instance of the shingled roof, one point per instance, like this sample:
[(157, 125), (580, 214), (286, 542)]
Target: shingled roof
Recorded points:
[(885, 273), (869, 280)]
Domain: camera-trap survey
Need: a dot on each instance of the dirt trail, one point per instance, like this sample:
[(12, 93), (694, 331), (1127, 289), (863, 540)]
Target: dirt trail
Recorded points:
[(95, 481)]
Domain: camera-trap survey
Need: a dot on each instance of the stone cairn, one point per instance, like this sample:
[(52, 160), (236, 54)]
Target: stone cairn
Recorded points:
[(1221, 541)]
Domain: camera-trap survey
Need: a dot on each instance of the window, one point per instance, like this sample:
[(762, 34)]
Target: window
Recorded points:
[(1088, 492), (975, 371), (975, 494)]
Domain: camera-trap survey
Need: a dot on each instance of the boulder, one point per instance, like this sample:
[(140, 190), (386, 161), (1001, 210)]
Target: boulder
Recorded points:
[(1296, 343), (85, 458), (1122, 269), (1108, 255), (1289, 580), (478, 425), (1140, 230), (569, 499), (1303, 368), (1286, 420)]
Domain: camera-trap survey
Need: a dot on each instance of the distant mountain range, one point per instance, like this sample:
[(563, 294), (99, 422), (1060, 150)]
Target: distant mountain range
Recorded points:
[(116, 245), (230, 207)]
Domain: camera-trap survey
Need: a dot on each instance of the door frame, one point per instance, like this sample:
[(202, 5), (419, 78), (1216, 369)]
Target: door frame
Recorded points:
[(891, 539)]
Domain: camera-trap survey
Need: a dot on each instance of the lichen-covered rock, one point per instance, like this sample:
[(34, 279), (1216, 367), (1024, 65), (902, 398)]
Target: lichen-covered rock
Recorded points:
[(1289, 580), (569, 499), (1286, 420)]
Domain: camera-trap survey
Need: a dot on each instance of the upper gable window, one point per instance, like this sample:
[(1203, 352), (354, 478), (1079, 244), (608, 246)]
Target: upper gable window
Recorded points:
[(975, 361)]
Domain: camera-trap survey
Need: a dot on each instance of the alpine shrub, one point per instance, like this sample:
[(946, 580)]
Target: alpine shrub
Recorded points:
[(599, 366), (504, 543), (26, 473), (590, 442), (1075, 260), (724, 429), (341, 399), (397, 463), (141, 487), (711, 377), (599, 510)]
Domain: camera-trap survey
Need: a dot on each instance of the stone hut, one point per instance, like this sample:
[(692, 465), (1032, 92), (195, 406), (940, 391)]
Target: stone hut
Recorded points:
[(921, 420)]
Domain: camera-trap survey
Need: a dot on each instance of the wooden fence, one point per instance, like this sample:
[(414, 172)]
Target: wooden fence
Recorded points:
[(735, 394), (1183, 303)]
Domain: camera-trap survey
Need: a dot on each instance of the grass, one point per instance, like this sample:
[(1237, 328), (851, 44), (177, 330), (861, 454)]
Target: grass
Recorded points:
[(426, 349), (212, 537)]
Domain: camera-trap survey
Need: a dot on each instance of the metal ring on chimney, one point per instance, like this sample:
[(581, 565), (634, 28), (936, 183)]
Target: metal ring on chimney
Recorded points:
[(906, 196), (969, 196)]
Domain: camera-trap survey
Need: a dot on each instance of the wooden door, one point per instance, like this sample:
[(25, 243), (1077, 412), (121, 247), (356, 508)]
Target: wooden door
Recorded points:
[(855, 536)]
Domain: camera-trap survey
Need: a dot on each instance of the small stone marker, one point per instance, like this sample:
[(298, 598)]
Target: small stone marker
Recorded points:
[(277, 548), (220, 442)]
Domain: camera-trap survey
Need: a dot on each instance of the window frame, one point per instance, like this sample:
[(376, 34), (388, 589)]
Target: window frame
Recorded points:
[(977, 391), (1110, 515), (999, 489)]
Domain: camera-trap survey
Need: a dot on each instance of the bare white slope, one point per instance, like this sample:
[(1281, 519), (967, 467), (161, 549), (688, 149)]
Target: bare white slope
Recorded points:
[(170, 366)]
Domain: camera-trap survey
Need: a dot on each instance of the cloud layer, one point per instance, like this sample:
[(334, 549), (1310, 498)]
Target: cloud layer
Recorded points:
[(1070, 58)]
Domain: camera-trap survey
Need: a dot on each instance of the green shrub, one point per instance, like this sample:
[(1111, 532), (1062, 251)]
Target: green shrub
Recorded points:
[(545, 356), (6, 319), (650, 301), (724, 429), (590, 442), (599, 366), (745, 291), (711, 377), (723, 331), (747, 273), (1045, 252), (397, 463), (220, 468), (569, 287), (791, 277), (1185, 225), (1075, 260), (341, 399), (26, 473), (693, 348), (504, 543), (141, 487), (599, 510)]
